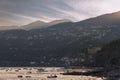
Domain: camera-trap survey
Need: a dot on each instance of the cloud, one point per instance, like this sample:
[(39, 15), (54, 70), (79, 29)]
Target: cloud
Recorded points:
[(19, 12)]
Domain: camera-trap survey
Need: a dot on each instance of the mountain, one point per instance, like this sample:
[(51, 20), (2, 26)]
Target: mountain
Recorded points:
[(36, 24), (41, 24), (107, 19), (62, 44), (8, 27), (59, 21)]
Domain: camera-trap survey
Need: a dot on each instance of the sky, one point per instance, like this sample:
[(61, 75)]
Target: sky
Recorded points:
[(20, 12)]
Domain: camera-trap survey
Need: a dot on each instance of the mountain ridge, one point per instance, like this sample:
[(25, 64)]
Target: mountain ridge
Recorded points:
[(41, 24), (109, 18), (57, 44)]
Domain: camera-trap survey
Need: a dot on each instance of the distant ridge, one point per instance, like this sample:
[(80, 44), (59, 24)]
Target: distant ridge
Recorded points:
[(41, 24), (106, 19), (8, 27), (36, 24)]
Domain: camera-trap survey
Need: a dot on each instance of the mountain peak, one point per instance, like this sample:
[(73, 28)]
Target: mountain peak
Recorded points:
[(41, 24), (61, 21), (36, 23)]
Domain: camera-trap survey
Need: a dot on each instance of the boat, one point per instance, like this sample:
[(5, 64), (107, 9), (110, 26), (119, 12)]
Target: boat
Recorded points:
[(52, 76)]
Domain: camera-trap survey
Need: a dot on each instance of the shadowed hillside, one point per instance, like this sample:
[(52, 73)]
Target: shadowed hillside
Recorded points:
[(61, 44), (109, 55)]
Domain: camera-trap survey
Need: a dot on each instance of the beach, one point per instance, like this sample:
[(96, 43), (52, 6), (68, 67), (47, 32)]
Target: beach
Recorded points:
[(39, 73)]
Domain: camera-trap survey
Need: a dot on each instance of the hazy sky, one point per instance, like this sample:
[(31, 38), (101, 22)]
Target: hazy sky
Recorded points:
[(19, 12)]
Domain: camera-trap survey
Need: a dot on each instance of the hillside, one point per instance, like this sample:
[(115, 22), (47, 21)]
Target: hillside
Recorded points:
[(109, 55), (60, 44)]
